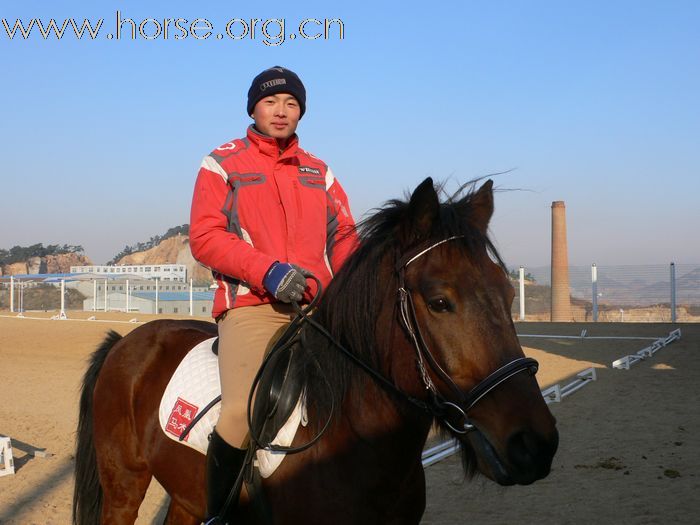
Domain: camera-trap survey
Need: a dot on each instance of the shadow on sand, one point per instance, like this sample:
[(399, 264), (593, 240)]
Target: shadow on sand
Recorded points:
[(40, 491)]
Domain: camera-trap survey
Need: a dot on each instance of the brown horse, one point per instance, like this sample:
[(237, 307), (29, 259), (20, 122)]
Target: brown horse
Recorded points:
[(423, 310)]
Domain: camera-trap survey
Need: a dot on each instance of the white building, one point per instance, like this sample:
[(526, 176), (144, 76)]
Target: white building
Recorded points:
[(97, 284), (164, 272)]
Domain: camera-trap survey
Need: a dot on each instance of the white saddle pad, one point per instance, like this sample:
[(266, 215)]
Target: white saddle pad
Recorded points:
[(192, 387)]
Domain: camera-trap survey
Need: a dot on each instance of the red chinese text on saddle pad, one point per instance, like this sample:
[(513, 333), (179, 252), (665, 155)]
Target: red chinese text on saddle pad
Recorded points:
[(182, 415)]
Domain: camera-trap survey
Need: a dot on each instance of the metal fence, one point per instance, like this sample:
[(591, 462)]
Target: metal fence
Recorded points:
[(632, 293), (63, 292)]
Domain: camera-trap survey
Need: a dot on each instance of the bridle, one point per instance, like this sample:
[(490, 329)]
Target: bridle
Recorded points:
[(439, 405)]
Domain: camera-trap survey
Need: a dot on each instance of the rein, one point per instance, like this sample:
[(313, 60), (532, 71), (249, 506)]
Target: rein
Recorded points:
[(286, 341)]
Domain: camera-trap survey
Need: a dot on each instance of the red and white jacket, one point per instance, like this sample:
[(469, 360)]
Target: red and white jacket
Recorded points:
[(254, 205)]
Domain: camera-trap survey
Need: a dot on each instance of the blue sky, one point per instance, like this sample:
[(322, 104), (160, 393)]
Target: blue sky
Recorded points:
[(594, 103)]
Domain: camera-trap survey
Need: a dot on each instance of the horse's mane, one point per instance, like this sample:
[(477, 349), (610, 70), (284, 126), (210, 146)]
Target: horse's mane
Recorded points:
[(350, 307)]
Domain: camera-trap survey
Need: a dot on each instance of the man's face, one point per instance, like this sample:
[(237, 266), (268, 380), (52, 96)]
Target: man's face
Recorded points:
[(277, 115)]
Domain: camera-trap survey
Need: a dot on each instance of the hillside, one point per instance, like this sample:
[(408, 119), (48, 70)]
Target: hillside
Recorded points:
[(154, 241), (173, 250)]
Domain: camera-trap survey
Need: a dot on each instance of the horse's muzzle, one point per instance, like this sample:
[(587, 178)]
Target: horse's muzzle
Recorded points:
[(528, 457)]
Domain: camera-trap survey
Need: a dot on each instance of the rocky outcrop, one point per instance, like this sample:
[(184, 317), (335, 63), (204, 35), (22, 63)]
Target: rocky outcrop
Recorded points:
[(48, 264), (36, 265), (17, 268), (174, 250), (62, 263)]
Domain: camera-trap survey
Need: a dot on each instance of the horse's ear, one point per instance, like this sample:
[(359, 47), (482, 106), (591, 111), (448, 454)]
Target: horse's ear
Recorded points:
[(481, 207), (423, 211)]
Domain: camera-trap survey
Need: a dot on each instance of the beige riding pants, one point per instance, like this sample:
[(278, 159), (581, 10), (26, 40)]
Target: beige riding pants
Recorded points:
[(244, 335)]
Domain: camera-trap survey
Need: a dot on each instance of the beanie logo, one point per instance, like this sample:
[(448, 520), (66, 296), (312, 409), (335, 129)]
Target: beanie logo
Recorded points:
[(271, 83)]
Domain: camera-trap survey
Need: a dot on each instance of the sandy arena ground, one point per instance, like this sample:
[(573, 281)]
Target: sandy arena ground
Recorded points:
[(629, 441)]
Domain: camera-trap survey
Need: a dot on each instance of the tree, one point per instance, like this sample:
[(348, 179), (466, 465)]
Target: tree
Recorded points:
[(23, 253)]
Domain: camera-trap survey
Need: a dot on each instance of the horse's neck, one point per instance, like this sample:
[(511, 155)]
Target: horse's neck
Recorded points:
[(371, 421), (394, 428), (365, 469)]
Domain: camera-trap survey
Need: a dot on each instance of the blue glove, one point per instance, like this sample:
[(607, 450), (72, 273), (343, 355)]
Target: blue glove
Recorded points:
[(285, 281)]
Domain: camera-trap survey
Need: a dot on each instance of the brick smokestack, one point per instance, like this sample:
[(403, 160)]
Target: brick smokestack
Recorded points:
[(561, 303)]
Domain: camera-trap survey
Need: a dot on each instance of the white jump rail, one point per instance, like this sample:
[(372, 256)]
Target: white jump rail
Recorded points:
[(7, 465), (89, 319), (439, 452), (625, 362), (584, 335), (555, 393)]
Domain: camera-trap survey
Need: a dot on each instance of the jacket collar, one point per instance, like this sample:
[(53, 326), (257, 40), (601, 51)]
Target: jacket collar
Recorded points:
[(268, 145)]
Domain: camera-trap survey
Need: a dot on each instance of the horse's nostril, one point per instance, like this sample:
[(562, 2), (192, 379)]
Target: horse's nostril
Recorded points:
[(530, 452), (521, 448)]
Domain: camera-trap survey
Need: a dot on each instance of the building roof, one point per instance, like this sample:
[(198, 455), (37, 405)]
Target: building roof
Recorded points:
[(47, 277), (175, 296), (58, 277)]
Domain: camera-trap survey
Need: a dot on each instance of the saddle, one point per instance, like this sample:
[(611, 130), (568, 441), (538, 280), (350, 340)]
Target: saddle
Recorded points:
[(189, 408)]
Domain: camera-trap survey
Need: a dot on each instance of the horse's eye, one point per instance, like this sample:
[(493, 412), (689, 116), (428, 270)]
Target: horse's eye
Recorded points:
[(439, 305)]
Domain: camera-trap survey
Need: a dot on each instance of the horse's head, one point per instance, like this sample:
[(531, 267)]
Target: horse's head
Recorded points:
[(459, 314), (453, 309)]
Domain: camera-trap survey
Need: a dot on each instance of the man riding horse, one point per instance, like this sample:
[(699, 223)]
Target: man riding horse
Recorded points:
[(414, 331), (265, 215)]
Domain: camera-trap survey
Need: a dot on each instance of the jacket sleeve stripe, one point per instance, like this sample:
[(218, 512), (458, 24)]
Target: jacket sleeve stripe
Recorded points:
[(330, 178), (210, 164)]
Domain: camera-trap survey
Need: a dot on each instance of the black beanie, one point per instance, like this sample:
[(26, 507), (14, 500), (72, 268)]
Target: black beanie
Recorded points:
[(276, 80)]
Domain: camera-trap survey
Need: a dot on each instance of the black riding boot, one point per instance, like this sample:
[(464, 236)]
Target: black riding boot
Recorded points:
[(224, 463)]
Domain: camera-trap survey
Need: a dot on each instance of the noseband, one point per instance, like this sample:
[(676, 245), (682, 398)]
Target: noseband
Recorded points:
[(440, 406)]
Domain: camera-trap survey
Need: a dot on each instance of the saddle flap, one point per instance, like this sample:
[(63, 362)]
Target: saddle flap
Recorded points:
[(277, 396)]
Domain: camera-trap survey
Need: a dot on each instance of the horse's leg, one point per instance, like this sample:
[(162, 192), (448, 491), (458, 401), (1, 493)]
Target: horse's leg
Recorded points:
[(124, 490), (122, 465), (177, 515)]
